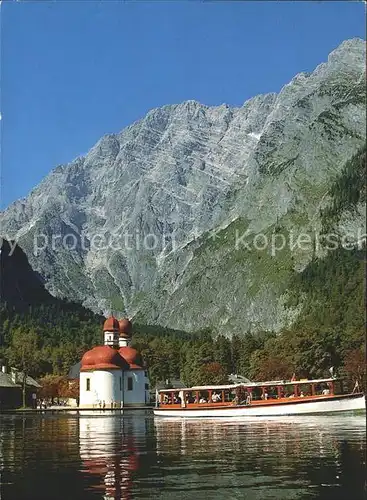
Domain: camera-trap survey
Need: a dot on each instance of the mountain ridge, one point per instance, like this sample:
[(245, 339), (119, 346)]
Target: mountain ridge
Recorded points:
[(183, 172)]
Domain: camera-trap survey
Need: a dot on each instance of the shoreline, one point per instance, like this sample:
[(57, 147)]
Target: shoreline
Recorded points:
[(72, 408)]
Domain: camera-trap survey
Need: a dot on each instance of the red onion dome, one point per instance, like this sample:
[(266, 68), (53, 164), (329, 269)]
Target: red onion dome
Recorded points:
[(103, 358), (132, 357), (125, 327), (111, 325)]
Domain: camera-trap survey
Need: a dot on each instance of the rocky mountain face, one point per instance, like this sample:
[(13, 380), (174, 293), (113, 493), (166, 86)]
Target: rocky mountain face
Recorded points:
[(191, 217)]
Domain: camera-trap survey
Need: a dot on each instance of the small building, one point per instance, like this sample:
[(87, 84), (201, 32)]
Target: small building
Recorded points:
[(113, 375), (11, 389)]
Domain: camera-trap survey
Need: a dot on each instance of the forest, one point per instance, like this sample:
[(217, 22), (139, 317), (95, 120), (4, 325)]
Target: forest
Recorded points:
[(44, 336), (329, 332)]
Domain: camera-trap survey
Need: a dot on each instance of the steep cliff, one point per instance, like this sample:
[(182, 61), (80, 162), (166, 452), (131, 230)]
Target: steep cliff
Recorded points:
[(190, 217)]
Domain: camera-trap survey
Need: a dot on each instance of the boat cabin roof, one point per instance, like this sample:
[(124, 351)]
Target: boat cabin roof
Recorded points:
[(251, 384)]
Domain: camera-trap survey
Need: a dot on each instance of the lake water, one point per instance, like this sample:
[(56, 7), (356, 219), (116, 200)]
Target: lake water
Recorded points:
[(134, 455)]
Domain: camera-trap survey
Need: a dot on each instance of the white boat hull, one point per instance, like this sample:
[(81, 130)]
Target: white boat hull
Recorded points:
[(328, 405)]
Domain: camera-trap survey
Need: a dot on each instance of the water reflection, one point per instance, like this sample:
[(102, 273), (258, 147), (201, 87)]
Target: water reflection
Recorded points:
[(131, 455), (316, 457), (108, 451), (39, 457)]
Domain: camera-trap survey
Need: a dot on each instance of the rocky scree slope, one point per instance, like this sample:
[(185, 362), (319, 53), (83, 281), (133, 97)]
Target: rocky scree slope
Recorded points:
[(197, 177)]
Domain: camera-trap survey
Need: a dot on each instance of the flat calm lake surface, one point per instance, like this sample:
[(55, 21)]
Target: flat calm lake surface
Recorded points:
[(134, 455)]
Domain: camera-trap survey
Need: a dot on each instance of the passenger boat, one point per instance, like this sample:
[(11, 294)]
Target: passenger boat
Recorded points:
[(259, 399)]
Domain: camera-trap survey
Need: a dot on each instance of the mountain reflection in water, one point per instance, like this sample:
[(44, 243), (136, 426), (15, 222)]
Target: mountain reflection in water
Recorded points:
[(134, 455)]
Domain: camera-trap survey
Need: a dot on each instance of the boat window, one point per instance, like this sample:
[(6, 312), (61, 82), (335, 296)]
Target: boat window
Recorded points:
[(87, 388), (203, 397), (189, 397), (281, 391), (216, 396), (256, 393), (290, 391), (338, 387), (323, 389), (272, 392), (165, 398), (176, 398), (240, 394), (304, 390)]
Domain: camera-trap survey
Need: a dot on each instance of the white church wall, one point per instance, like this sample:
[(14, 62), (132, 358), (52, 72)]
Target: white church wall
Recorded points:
[(104, 386), (134, 389), (107, 384), (113, 386), (87, 394)]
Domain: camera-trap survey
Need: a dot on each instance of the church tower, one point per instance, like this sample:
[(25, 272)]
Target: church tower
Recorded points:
[(125, 332), (111, 332)]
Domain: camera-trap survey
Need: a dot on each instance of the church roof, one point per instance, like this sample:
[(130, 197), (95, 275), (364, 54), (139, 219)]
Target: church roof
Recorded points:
[(103, 357), (170, 384), (74, 371)]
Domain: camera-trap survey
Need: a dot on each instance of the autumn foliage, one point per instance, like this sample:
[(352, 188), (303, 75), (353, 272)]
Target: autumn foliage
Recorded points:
[(56, 386), (355, 366), (272, 367), (213, 373)]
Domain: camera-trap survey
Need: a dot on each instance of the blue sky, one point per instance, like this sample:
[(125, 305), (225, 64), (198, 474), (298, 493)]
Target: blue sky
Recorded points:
[(74, 71)]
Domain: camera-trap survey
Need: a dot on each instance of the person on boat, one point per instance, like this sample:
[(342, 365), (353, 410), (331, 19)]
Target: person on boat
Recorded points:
[(216, 397), (326, 392), (301, 394), (356, 387), (202, 400)]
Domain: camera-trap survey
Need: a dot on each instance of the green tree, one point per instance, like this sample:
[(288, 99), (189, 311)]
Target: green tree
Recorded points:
[(23, 354), (222, 353), (248, 347)]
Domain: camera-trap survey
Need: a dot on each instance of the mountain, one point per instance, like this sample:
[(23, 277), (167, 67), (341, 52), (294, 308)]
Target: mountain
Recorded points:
[(25, 303), (171, 221), (20, 285)]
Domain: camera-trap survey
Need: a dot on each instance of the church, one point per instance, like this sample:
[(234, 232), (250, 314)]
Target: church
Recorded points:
[(113, 375)]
